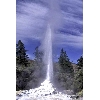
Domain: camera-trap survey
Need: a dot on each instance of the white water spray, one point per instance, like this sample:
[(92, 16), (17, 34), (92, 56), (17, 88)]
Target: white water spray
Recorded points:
[(54, 21), (48, 53)]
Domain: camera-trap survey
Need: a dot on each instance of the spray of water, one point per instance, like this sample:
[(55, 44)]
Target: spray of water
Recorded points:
[(48, 53), (54, 18)]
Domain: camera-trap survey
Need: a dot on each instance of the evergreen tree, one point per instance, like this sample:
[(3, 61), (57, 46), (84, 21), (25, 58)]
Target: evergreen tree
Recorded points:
[(41, 72), (65, 72), (78, 76), (80, 62), (21, 56), (65, 62), (38, 56)]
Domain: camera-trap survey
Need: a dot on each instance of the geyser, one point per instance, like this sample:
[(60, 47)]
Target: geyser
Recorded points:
[(46, 90), (48, 53)]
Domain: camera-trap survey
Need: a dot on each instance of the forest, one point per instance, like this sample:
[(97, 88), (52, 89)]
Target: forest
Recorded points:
[(30, 73)]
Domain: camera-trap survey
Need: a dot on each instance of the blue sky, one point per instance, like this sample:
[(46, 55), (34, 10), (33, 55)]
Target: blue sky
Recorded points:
[(66, 16)]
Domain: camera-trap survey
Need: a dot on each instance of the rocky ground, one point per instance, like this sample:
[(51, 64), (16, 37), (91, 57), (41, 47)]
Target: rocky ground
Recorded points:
[(45, 92)]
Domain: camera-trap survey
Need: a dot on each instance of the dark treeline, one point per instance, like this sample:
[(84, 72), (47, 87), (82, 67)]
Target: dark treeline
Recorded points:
[(29, 73)]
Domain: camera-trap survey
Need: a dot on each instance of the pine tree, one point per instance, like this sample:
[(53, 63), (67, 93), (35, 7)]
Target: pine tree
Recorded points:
[(78, 76), (80, 62), (21, 56), (65, 62), (38, 56), (65, 74)]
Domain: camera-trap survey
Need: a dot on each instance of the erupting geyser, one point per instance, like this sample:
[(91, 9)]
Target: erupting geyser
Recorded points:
[(48, 53), (46, 91)]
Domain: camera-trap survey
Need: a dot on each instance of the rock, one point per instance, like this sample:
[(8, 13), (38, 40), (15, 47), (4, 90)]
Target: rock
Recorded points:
[(68, 92)]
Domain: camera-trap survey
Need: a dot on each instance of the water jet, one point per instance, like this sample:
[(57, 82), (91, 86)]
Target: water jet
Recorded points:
[(48, 53)]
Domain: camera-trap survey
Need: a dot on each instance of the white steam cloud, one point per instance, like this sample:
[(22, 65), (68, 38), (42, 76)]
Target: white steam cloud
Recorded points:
[(55, 15)]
